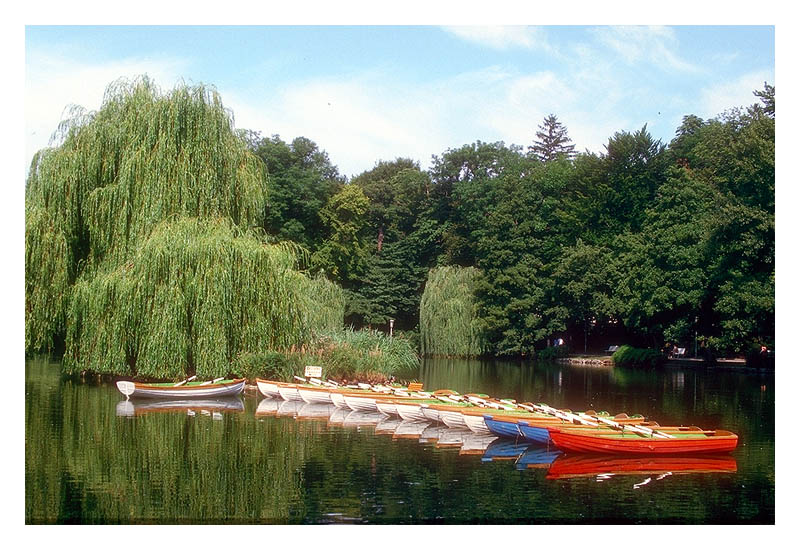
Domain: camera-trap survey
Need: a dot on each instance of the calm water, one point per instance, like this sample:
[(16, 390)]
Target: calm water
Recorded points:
[(91, 457)]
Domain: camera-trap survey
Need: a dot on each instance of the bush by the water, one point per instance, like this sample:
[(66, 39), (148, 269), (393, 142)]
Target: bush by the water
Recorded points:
[(628, 356), (364, 355), (551, 353)]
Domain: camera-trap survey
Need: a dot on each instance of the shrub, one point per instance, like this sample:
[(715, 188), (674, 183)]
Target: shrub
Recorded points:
[(552, 353), (628, 356), (367, 356)]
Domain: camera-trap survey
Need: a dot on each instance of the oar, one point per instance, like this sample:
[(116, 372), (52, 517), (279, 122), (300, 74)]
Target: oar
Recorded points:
[(214, 381), (564, 415), (636, 429), (185, 381)]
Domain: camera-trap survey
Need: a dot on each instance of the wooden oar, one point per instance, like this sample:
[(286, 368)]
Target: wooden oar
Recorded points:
[(185, 381), (564, 415), (634, 428), (212, 381)]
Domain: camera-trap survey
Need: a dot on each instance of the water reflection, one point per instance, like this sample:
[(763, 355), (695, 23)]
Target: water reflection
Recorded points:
[(523, 454), (188, 406), (278, 462)]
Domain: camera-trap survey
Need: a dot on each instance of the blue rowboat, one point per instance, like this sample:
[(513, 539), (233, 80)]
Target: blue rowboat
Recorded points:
[(501, 427), (534, 434)]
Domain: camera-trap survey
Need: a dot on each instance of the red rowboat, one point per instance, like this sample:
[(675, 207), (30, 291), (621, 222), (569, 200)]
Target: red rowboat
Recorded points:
[(577, 440)]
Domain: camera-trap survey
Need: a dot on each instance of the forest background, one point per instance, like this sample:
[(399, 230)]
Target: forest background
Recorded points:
[(148, 228), (645, 243)]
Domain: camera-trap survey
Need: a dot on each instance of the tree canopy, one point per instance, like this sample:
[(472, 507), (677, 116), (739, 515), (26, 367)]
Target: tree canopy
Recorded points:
[(642, 243)]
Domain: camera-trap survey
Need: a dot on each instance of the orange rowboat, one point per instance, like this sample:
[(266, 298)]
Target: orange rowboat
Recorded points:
[(587, 441)]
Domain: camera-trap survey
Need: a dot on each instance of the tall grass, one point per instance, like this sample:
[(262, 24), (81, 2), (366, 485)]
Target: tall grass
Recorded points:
[(144, 250), (447, 315), (364, 355)]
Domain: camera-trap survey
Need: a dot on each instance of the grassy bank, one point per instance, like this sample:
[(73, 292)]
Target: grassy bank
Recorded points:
[(367, 356)]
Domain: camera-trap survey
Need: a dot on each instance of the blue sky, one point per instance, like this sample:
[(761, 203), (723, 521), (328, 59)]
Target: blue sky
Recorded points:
[(369, 93)]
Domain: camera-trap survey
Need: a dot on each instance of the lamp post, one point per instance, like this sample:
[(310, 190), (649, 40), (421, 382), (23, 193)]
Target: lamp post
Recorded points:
[(391, 327), (696, 319)]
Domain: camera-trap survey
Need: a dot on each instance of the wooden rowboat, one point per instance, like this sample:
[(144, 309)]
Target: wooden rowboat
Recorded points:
[(186, 390), (603, 441)]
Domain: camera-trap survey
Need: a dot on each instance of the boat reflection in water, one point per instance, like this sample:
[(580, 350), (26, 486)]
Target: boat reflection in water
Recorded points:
[(410, 429), (537, 456), (522, 453), (191, 407), (476, 444), (606, 467), (505, 449)]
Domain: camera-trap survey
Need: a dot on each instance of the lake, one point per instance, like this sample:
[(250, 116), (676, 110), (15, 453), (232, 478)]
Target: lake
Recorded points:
[(91, 457)]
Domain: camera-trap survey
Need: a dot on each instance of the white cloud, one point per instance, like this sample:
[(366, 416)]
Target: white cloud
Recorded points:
[(653, 45), (737, 93), (53, 82), (502, 37)]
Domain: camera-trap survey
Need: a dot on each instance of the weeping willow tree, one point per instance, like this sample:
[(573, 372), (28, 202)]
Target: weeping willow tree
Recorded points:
[(447, 313), (144, 249)]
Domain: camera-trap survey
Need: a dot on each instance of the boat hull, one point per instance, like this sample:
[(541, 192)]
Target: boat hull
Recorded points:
[(476, 424), (411, 413), (502, 428), (289, 393), (720, 442), (386, 408), (534, 434), (363, 404), (453, 419), (312, 396), (152, 391)]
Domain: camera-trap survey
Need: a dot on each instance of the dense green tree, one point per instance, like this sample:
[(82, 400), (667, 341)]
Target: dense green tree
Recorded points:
[(513, 248), (583, 287), (459, 177), (344, 251), (145, 252), (301, 181), (391, 287)]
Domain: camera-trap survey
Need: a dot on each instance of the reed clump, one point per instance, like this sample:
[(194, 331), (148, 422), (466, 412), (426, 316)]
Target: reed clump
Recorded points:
[(145, 252), (363, 355), (448, 313)]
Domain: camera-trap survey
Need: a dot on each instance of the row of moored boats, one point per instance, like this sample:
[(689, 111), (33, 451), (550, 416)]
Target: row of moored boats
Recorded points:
[(590, 431)]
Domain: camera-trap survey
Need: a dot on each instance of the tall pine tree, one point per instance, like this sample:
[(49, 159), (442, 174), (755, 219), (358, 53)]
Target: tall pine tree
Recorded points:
[(552, 141)]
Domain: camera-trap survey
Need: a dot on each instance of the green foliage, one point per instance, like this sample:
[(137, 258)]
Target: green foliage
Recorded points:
[(301, 182), (448, 324), (364, 355), (392, 283), (144, 253), (627, 356), (272, 365), (551, 353), (195, 295), (343, 254), (646, 241)]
